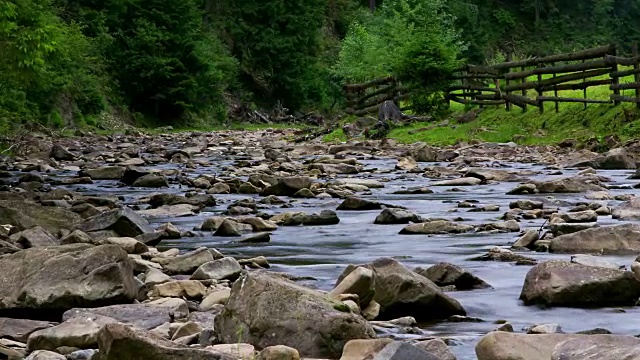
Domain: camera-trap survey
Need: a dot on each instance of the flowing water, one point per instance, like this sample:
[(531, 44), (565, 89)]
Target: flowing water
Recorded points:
[(322, 252)]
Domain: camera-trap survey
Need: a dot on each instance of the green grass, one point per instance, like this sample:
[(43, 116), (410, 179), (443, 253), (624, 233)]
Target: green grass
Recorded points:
[(498, 125), (495, 124)]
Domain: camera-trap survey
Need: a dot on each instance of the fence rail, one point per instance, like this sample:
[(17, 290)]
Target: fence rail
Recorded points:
[(510, 82)]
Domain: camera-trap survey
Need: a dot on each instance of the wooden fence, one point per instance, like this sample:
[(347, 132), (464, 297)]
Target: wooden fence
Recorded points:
[(523, 83)]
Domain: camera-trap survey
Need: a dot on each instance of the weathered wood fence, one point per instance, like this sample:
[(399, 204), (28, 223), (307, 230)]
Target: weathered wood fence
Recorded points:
[(523, 83)]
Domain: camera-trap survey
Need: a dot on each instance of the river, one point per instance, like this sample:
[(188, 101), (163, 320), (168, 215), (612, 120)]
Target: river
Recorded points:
[(322, 252)]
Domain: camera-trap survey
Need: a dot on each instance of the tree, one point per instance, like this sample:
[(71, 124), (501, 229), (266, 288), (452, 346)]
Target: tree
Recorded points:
[(277, 44)]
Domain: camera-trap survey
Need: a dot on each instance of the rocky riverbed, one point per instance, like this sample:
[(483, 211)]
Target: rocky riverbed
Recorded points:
[(242, 245)]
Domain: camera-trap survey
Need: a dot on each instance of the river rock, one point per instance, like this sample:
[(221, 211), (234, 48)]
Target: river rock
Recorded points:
[(576, 184), (186, 263), (562, 228), (118, 342), (191, 289), (398, 350), (360, 282), (527, 240), (60, 153), (414, 191), (629, 210), (354, 203), (619, 239), (104, 173), (278, 352), (258, 224), (493, 175), (577, 217), (465, 181), (169, 211), (335, 168), (598, 347), (505, 255), (501, 345), (20, 329), (228, 227), (591, 260), (288, 186), (34, 237), (226, 268), (446, 274), (325, 217), (142, 316), (436, 347), (214, 298), (397, 216), (436, 227), (151, 181), (561, 283), (407, 164), (401, 292), (199, 201), (78, 332), (24, 215), (369, 183), (615, 159), (364, 349), (125, 222), (268, 309), (45, 355), (526, 205), (61, 277)]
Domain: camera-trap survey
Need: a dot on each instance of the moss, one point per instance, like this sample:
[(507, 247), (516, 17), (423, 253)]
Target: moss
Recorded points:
[(342, 307)]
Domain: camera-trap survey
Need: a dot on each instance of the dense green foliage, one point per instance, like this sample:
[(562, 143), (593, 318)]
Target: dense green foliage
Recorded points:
[(68, 62)]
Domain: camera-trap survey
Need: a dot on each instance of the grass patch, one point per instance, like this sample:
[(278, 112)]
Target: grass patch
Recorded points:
[(529, 128)]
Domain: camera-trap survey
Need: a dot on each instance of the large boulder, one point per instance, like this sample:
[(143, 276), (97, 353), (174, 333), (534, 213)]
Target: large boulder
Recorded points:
[(401, 292), (288, 186), (620, 239), (118, 342), (125, 222), (62, 277), (562, 283), (20, 329), (26, 215), (79, 332), (613, 159), (500, 345), (629, 210), (594, 347), (268, 310), (142, 316)]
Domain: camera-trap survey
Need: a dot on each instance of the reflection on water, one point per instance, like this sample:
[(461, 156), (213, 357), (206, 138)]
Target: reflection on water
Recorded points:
[(322, 252)]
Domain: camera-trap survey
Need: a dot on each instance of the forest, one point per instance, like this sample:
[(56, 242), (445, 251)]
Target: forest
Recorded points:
[(166, 62)]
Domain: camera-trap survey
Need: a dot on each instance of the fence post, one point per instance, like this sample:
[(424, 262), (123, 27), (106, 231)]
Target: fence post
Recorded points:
[(540, 91), (555, 91), (584, 82), (615, 80), (524, 92), (507, 82), (636, 76)]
